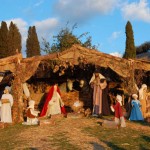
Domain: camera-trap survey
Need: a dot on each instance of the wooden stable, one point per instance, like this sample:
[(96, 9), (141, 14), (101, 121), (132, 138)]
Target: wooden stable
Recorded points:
[(24, 69)]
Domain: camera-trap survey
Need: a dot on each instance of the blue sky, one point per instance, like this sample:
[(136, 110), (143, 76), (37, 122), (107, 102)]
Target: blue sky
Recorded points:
[(105, 20)]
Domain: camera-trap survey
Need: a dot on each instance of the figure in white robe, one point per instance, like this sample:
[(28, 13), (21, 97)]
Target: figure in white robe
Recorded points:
[(32, 114), (6, 105), (53, 104), (143, 98)]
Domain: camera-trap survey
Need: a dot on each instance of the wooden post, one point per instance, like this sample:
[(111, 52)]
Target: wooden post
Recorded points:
[(17, 111), (131, 81)]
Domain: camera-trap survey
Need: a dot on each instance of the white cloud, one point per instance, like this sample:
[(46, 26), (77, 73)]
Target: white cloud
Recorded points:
[(22, 26), (117, 54), (115, 35), (137, 11), (81, 10), (46, 28), (38, 3)]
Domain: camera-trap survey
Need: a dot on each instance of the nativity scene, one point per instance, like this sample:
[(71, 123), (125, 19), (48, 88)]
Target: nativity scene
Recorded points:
[(78, 82)]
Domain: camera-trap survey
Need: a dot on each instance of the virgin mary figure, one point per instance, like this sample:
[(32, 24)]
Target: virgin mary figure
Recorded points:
[(53, 104)]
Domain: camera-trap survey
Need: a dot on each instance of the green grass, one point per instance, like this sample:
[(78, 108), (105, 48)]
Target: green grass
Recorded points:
[(9, 136), (9, 139), (60, 141), (121, 139), (128, 138)]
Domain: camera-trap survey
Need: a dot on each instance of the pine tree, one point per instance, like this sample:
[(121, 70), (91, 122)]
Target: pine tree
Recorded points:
[(14, 39), (32, 43), (130, 51), (3, 40)]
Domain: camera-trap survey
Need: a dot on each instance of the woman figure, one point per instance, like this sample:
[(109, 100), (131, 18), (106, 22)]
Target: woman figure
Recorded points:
[(53, 104), (119, 118), (136, 113), (142, 98), (7, 103)]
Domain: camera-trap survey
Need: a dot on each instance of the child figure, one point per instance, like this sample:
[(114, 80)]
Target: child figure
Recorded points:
[(119, 118), (32, 114), (136, 113)]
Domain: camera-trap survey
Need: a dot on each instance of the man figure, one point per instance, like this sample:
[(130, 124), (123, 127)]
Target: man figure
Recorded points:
[(98, 83)]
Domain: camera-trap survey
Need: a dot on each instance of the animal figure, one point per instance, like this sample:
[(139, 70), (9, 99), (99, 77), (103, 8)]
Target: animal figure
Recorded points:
[(83, 84), (70, 85), (67, 86)]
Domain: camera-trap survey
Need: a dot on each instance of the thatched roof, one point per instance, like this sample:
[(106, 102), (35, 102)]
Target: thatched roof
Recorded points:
[(74, 55)]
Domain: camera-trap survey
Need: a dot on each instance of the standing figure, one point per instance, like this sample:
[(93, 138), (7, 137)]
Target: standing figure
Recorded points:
[(142, 98), (98, 83), (119, 118), (148, 108), (7, 103), (136, 113), (53, 104)]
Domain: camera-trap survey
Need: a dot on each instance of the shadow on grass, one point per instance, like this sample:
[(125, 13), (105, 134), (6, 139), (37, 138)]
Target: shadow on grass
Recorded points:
[(144, 123), (113, 146), (32, 148), (146, 138), (142, 147), (97, 146)]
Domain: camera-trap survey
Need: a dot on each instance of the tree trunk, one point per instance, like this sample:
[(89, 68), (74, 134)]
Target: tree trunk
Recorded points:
[(18, 96)]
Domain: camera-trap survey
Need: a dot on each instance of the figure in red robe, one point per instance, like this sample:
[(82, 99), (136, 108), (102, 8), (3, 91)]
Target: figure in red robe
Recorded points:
[(119, 118), (53, 104)]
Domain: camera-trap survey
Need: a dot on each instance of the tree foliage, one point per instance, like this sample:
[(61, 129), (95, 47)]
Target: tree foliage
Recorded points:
[(65, 39), (145, 47), (32, 43), (130, 50), (3, 40), (14, 40)]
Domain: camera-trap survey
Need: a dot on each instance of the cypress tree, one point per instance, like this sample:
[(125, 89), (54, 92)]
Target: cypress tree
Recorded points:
[(3, 40), (14, 39), (130, 51), (32, 43)]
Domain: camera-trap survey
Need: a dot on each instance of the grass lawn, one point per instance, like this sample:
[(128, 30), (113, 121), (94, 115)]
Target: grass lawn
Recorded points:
[(76, 134), (134, 137)]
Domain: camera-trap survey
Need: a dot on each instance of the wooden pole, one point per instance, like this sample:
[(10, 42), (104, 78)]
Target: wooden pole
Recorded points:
[(17, 111)]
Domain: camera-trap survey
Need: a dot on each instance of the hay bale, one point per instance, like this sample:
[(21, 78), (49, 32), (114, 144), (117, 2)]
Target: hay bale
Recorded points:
[(70, 98)]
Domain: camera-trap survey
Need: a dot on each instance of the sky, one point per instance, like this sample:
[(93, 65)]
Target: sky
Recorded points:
[(104, 20)]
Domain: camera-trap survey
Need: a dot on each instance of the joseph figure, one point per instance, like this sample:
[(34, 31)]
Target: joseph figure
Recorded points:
[(100, 101)]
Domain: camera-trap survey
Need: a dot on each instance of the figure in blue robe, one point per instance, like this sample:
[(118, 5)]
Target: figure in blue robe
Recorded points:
[(136, 114)]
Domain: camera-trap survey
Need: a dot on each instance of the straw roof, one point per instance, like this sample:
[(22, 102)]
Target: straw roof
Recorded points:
[(74, 55)]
